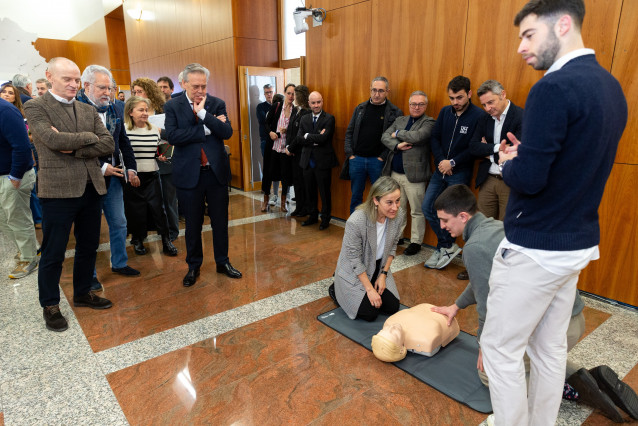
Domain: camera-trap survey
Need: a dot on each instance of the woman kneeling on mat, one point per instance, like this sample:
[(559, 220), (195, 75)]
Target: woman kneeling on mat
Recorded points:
[(364, 285)]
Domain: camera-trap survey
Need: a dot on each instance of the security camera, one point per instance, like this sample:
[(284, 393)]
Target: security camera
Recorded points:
[(301, 13)]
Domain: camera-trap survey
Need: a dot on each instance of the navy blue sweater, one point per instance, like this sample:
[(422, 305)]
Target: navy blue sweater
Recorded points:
[(573, 120), (445, 127), (15, 149)]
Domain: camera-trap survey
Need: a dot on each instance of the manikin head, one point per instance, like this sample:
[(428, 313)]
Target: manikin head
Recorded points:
[(455, 207), (387, 344), (493, 98)]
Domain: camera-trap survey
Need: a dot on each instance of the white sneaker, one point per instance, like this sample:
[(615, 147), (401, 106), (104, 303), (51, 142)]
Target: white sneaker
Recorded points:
[(23, 268), (490, 420), (273, 200), (433, 260), (447, 254)]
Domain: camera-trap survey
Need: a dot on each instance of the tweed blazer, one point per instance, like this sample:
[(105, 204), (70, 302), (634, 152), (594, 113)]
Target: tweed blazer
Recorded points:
[(65, 175), (359, 254), (416, 160)]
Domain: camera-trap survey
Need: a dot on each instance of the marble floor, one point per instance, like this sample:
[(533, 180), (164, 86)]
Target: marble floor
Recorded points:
[(246, 351)]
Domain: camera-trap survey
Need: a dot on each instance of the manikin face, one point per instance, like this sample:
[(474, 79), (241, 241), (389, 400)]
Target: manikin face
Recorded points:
[(316, 102), (65, 79), (8, 94), (493, 104), (165, 88), (539, 44), (41, 88), (268, 94), (196, 86), (453, 224), (418, 104), (392, 332), (378, 92), (290, 95), (139, 114), (459, 100), (100, 91), (138, 91), (388, 205)]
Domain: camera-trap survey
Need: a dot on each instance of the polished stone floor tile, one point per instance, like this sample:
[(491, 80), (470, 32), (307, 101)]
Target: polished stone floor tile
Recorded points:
[(361, 410)]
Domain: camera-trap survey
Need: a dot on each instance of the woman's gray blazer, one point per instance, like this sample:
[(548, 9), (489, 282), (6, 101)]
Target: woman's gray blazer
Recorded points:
[(359, 254)]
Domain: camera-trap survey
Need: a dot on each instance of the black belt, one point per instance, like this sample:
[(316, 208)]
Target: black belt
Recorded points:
[(499, 177), (206, 167)]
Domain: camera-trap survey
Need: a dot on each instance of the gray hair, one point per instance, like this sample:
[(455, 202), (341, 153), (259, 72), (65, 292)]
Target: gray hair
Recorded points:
[(383, 79), (193, 68), (44, 81), (418, 93), (180, 77), (88, 76), (490, 86), (21, 80), (381, 187)]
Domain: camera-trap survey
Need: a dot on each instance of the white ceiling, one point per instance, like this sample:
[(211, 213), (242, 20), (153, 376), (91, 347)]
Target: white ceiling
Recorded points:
[(57, 19)]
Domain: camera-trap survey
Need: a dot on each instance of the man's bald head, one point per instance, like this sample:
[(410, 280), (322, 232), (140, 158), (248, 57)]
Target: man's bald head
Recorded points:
[(315, 100), (64, 76)]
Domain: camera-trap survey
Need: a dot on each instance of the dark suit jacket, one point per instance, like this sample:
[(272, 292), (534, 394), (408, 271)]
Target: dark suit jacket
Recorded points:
[(317, 144), (293, 142), (186, 133), (485, 129), (65, 175), (262, 110), (122, 144)]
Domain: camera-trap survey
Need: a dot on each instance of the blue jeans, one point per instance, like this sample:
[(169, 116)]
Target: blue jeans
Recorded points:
[(360, 169), (113, 207), (36, 209), (437, 184)]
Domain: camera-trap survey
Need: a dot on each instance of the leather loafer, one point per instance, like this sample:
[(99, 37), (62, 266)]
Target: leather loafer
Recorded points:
[(191, 277), (228, 270), (310, 221), (126, 270), (91, 300), (168, 248), (138, 247)]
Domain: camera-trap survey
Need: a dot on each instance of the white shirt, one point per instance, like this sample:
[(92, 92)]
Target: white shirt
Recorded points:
[(314, 116), (498, 127), (560, 62), (381, 238), (201, 115), (61, 99)]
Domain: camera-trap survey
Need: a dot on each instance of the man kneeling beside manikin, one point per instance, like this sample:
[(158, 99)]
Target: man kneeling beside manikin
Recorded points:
[(418, 330)]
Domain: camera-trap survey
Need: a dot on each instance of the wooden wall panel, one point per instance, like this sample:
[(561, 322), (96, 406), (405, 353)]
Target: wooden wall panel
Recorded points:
[(624, 69), (118, 51), (90, 46), (217, 20), (256, 52), (255, 19), (338, 66), (615, 274), (51, 48)]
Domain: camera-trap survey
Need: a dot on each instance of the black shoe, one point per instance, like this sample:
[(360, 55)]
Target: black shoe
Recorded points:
[(91, 300), (412, 249), (138, 247), (463, 275), (228, 270), (54, 319), (167, 247), (401, 241), (96, 285), (126, 270), (311, 221), (619, 392), (590, 394), (331, 293), (191, 277), (324, 224), (297, 213)]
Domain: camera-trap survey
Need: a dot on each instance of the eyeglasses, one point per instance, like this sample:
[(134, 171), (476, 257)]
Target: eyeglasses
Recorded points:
[(377, 91), (419, 105)]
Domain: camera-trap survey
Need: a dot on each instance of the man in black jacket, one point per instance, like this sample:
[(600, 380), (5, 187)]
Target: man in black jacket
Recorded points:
[(491, 129), (365, 154)]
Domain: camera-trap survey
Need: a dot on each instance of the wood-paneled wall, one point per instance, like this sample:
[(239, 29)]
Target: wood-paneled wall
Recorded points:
[(422, 44), (219, 34)]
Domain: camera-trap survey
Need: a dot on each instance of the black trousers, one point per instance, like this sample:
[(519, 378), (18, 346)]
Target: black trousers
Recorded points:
[(389, 303), (145, 203), (58, 215), (318, 180), (210, 190)]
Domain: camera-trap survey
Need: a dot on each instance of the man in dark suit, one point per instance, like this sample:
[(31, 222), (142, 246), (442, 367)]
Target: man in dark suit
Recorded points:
[(197, 125), (317, 158), (491, 129), (70, 138)]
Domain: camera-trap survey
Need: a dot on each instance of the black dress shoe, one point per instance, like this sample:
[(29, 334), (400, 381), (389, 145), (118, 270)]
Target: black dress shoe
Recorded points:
[(310, 221), (324, 225), (126, 270), (138, 247), (619, 392), (191, 277), (296, 213), (463, 275), (91, 300), (590, 394), (228, 270), (167, 247), (54, 319), (412, 249)]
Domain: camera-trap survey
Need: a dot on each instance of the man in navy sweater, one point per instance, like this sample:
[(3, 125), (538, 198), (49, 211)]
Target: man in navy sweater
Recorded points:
[(573, 120), (453, 161)]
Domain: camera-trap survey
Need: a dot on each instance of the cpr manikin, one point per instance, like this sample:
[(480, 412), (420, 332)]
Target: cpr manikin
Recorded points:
[(417, 330)]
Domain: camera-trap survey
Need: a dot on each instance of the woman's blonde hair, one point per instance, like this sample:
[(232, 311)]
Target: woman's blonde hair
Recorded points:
[(383, 186), (128, 107), (155, 96)]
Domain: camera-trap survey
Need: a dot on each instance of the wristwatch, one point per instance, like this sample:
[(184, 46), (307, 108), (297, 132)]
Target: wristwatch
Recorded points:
[(500, 166), (452, 163), (384, 272)]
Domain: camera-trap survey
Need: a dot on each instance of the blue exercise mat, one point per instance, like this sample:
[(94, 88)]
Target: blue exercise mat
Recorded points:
[(451, 371)]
